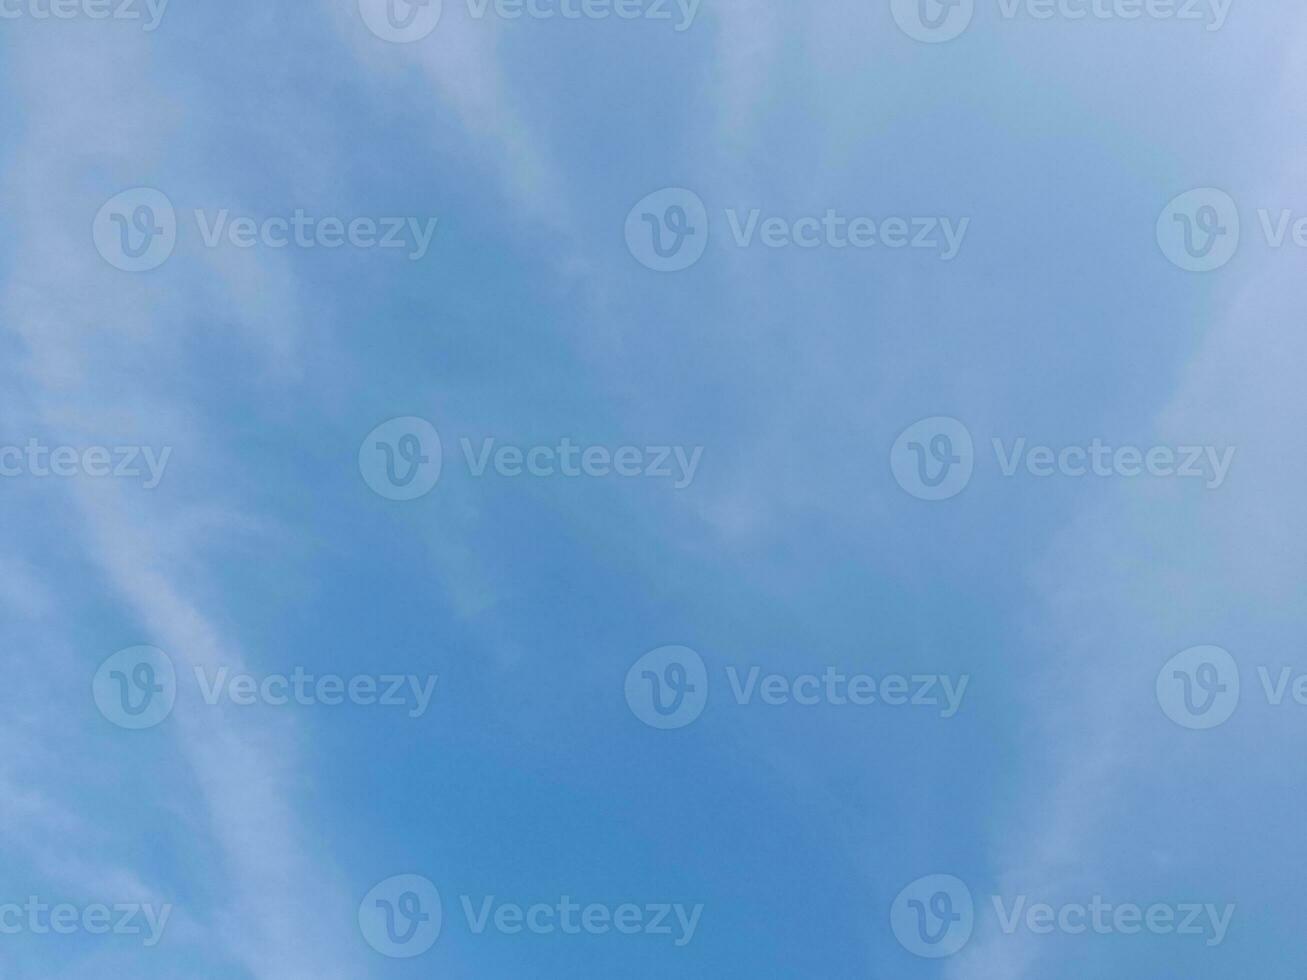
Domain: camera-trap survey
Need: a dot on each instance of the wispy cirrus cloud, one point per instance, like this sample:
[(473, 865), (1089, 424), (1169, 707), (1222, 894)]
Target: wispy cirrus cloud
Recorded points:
[(94, 343)]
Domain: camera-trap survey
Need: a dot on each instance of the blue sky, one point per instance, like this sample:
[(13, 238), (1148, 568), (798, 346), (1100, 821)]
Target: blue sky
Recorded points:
[(792, 550)]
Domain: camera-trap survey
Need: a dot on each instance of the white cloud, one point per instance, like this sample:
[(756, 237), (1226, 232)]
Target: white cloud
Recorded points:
[(99, 344), (1153, 570)]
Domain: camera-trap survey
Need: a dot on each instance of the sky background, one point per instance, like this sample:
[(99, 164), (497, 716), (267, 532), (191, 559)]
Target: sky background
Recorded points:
[(264, 549)]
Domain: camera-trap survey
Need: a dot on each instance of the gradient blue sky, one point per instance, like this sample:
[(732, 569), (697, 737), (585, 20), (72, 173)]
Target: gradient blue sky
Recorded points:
[(529, 320)]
